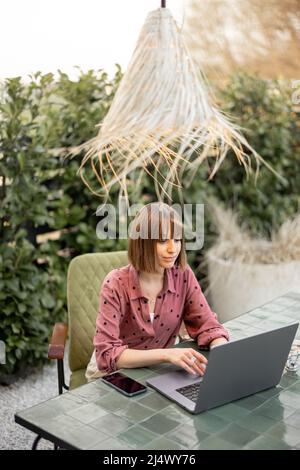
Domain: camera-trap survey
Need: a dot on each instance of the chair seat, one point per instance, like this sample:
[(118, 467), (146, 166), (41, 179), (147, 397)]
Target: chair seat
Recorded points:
[(77, 378)]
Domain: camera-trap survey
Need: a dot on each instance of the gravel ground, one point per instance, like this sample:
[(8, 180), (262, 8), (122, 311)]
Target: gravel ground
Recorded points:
[(37, 387)]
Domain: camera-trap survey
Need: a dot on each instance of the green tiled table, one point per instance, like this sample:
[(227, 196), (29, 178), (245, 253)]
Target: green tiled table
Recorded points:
[(95, 416)]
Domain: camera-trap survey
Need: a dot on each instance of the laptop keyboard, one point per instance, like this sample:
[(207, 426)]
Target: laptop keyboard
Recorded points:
[(190, 391)]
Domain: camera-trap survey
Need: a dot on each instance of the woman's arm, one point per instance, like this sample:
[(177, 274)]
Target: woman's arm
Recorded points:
[(217, 342), (182, 357), (131, 358)]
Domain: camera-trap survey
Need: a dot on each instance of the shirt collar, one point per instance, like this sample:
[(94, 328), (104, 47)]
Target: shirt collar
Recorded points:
[(134, 282)]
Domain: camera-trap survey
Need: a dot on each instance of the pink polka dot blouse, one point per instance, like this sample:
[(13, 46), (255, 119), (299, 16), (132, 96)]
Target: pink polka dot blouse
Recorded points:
[(123, 319)]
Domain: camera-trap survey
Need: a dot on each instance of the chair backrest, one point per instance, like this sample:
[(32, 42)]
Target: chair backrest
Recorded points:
[(85, 277)]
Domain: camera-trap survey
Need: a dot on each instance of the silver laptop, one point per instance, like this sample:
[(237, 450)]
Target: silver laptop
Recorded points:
[(234, 370)]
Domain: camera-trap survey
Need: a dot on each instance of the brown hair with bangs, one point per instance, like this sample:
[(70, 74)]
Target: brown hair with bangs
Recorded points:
[(151, 224)]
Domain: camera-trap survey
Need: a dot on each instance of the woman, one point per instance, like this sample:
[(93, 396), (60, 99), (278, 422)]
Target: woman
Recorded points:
[(143, 304)]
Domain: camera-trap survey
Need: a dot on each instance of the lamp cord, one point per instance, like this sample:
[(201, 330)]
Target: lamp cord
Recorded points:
[(163, 3)]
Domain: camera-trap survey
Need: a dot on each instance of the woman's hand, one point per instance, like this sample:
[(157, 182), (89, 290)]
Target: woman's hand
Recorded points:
[(187, 358)]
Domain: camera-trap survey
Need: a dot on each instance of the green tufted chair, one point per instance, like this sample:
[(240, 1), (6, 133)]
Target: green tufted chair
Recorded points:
[(85, 277)]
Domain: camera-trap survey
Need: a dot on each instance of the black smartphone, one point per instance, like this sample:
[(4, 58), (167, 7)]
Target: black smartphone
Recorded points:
[(124, 384)]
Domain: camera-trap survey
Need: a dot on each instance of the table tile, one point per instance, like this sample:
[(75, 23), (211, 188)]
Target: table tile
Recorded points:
[(187, 435), (270, 392), (102, 391), (87, 413), (63, 404), (137, 436), (155, 401), (81, 437), (256, 422), (208, 422), (73, 432), (111, 424), (39, 414), (110, 444), (251, 402), (230, 411), (294, 420), (267, 443), (289, 398), (160, 423), (274, 409), (237, 435), (135, 412), (288, 379), (295, 387), (88, 392), (162, 443), (216, 443), (177, 413), (113, 401), (285, 433), (62, 423)]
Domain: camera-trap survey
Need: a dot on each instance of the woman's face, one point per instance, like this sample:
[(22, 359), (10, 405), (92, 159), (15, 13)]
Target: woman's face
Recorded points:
[(167, 252)]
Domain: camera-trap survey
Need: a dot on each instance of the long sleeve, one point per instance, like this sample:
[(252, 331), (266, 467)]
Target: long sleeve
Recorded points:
[(107, 342), (200, 321)]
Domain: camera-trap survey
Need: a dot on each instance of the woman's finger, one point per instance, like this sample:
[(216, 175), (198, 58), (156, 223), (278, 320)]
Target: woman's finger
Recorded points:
[(185, 366), (193, 365), (198, 355), (197, 367)]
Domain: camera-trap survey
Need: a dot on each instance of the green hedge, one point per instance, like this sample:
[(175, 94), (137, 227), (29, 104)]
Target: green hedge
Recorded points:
[(264, 109), (42, 191)]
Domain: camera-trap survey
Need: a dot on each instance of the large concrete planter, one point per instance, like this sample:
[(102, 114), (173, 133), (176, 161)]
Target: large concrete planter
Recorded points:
[(239, 287)]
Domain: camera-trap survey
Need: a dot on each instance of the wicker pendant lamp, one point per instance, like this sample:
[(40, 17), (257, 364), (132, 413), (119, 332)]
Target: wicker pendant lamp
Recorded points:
[(162, 119)]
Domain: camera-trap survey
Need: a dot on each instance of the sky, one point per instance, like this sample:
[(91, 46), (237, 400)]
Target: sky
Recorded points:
[(47, 35)]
